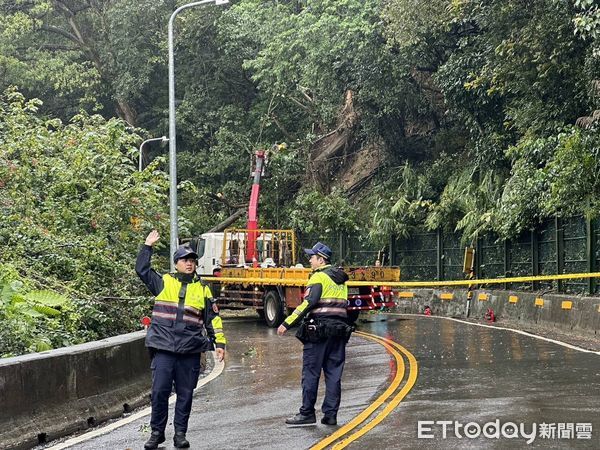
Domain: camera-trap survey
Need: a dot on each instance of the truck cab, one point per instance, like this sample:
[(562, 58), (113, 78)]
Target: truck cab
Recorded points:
[(228, 249), (209, 248)]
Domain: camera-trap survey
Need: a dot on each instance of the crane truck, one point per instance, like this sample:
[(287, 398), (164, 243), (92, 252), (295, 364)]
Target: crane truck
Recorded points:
[(258, 268)]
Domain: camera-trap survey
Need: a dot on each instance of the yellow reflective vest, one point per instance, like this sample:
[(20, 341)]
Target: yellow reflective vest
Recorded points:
[(334, 298), (181, 314), (333, 301)]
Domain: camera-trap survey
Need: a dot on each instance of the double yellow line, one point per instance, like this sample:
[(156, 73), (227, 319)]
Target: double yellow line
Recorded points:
[(341, 438)]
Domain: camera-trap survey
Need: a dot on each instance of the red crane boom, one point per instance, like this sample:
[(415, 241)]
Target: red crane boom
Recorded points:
[(253, 208)]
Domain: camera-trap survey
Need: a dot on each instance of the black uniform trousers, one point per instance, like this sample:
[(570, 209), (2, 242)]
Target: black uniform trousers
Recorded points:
[(183, 370), (330, 356)]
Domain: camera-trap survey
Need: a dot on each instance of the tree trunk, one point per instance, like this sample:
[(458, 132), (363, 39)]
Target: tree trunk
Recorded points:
[(126, 112), (231, 219), (328, 153)]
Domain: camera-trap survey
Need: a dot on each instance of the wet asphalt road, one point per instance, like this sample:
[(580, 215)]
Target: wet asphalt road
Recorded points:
[(245, 407), (474, 374), (466, 374)]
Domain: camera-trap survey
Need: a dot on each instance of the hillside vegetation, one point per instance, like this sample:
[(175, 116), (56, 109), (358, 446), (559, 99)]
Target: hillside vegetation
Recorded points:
[(399, 115)]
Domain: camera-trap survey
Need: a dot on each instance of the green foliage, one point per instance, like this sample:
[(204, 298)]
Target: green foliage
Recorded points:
[(574, 173), (285, 171), (73, 205), (472, 102), (314, 212), (587, 21), (35, 320), (73, 212), (468, 204), (560, 172), (38, 320), (512, 81), (93, 55), (309, 51), (401, 209)]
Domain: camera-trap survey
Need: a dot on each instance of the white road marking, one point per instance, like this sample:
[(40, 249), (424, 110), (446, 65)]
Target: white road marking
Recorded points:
[(215, 372), (524, 333)]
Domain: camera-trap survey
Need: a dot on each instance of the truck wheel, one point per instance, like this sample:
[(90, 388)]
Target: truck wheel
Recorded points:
[(273, 309)]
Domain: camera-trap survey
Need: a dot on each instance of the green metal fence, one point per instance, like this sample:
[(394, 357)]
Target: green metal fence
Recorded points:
[(574, 248), (418, 257), (347, 249), (490, 258), (558, 246), (452, 257), (546, 256)]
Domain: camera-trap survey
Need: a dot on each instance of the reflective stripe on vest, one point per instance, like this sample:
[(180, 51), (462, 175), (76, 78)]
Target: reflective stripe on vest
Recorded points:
[(334, 298), (167, 301)]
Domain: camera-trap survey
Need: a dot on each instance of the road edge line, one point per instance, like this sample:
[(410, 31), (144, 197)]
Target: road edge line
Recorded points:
[(214, 373), (524, 333)]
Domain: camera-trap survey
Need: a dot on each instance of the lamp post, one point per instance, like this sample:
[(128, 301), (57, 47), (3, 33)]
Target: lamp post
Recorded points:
[(162, 139), (172, 139)]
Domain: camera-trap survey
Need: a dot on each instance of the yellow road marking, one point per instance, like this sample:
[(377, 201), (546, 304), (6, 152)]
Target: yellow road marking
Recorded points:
[(364, 415), (412, 378), (373, 406)]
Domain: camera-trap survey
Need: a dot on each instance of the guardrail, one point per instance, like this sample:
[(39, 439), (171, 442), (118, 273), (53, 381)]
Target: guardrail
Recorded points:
[(552, 311), (47, 395)]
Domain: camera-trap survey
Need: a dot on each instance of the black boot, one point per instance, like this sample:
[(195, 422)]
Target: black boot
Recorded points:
[(301, 420), (329, 420), (180, 441), (157, 437)]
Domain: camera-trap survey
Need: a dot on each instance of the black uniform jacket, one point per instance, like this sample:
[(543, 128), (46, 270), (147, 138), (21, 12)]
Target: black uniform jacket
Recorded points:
[(168, 335)]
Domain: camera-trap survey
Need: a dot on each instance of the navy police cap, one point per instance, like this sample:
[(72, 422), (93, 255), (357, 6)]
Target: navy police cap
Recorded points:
[(319, 249), (184, 252)]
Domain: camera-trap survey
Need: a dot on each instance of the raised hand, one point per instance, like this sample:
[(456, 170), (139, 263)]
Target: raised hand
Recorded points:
[(152, 238)]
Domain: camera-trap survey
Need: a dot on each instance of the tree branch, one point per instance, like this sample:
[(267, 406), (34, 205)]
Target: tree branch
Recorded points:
[(63, 33), (299, 103), (219, 197), (279, 125), (62, 6), (227, 222), (303, 90), (65, 48)]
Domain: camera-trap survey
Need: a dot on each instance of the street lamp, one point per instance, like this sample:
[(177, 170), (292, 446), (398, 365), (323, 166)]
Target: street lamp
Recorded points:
[(162, 139), (172, 140)]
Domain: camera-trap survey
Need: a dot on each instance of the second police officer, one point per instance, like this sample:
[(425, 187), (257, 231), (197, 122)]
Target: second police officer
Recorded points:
[(324, 332)]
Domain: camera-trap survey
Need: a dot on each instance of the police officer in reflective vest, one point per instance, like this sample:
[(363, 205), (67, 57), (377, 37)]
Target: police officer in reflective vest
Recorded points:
[(324, 331), (183, 309)]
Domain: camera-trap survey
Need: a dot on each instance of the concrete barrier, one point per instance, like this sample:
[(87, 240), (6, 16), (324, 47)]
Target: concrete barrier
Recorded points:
[(47, 395), (566, 312)]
